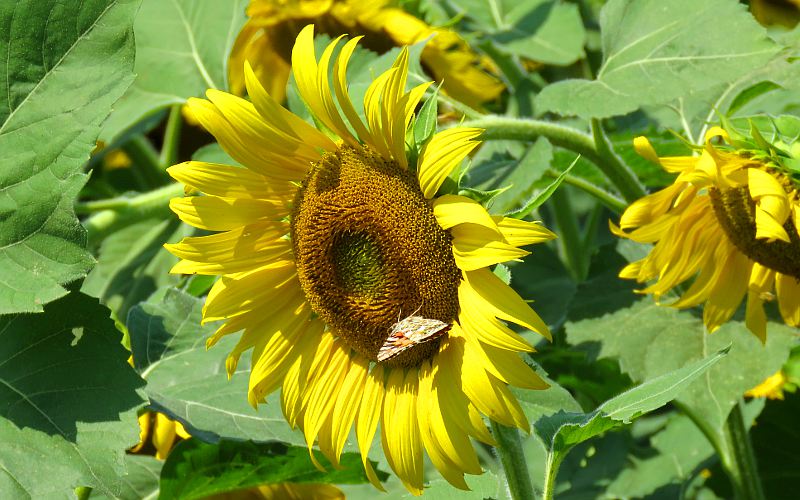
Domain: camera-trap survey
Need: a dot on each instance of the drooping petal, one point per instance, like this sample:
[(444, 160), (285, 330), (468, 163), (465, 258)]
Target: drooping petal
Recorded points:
[(228, 182), (502, 301)]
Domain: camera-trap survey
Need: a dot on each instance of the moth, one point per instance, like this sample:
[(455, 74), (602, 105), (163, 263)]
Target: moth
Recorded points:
[(409, 332)]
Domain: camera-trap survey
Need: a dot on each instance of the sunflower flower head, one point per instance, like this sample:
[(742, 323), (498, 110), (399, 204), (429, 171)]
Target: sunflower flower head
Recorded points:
[(728, 226), (466, 76), (365, 295)]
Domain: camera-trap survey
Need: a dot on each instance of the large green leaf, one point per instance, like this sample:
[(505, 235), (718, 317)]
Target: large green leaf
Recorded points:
[(66, 63), (68, 401), (188, 382), (182, 49), (657, 51), (196, 470), (563, 430), (547, 31), (141, 481), (650, 340)]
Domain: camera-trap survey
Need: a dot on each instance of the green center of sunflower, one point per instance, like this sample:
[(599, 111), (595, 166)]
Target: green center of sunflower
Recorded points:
[(369, 251), (735, 211)]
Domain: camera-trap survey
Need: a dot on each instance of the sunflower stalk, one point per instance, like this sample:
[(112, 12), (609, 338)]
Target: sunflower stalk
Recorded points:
[(114, 214), (595, 147), (512, 457), (172, 136), (740, 462), (146, 162), (570, 241)]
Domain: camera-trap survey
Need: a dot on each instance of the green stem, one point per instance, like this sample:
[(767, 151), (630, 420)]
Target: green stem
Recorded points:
[(551, 467), (609, 200), (172, 136), (734, 450), (616, 170), (742, 469), (145, 160), (569, 235), (122, 212), (512, 457), (503, 128)]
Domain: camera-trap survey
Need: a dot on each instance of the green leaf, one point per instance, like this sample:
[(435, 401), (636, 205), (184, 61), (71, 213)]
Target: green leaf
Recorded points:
[(547, 31), (425, 121), (657, 51), (196, 470), (182, 49), (188, 382), (750, 93), (132, 264), (649, 340), (68, 401), (521, 173), (487, 485), (564, 430), (140, 482), (677, 451), (66, 63), (537, 201)]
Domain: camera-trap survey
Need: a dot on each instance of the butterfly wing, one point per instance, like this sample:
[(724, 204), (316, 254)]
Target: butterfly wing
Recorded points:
[(409, 332)]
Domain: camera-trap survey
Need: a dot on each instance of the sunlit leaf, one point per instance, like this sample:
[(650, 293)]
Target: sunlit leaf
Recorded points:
[(66, 63)]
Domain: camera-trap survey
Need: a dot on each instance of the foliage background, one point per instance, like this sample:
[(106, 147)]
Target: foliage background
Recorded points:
[(83, 274)]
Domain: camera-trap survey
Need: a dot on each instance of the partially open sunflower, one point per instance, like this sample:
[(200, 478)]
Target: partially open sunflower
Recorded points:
[(728, 227), (324, 245)]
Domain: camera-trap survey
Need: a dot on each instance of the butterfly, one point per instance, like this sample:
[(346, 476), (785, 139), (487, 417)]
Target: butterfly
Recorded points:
[(409, 332)]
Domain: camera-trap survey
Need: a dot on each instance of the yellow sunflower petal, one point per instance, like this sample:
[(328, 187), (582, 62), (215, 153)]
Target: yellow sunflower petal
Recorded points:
[(788, 290), (222, 214), (281, 119), (474, 319), (244, 151), (233, 251), (312, 82), (348, 403), (476, 247), (434, 433), (163, 435), (502, 301), (399, 430), (520, 233), (728, 292), (451, 210), (241, 293), (372, 401), (444, 152), (343, 95), (228, 182)]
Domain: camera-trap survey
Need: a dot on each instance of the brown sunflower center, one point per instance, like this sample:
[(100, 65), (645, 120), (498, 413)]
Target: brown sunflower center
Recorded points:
[(735, 211), (369, 251)]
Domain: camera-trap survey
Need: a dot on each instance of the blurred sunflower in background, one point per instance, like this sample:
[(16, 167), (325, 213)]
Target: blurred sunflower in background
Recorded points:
[(264, 42), (160, 431), (729, 224), (324, 244)]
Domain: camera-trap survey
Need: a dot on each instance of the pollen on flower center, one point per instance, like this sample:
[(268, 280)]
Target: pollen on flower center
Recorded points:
[(369, 251), (735, 211)]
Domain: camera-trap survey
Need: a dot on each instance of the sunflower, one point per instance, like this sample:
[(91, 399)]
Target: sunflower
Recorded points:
[(326, 245), (466, 76), (729, 224)]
